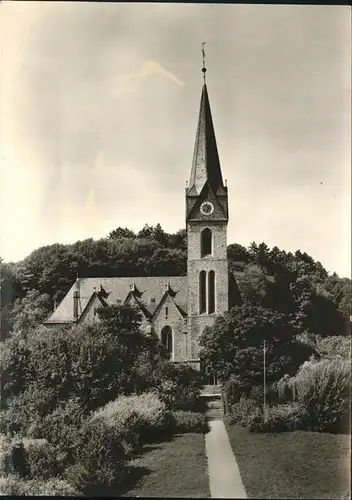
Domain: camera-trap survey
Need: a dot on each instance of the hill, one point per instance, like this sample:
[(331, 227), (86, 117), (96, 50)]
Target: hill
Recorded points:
[(293, 283)]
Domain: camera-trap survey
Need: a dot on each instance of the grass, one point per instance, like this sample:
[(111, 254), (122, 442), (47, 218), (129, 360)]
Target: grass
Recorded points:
[(292, 464), (175, 468)]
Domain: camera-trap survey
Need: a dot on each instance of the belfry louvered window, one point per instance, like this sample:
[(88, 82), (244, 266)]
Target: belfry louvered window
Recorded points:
[(206, 242)]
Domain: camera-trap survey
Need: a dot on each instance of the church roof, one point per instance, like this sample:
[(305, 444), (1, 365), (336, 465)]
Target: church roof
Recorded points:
[(148, 290), (206, 163)]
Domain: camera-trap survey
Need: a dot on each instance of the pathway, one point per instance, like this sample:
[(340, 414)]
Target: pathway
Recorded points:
[(224, 475)]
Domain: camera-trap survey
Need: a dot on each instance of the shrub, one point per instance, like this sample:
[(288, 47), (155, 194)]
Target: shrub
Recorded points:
[(14, 460), (323, 391), (188, 421), (60, 427), (232, 391), (279, 418), (240, 411), (178, 386), (125, 425), (45, 461), (271, 394), (99, 461), (136, 419), (12, 486), (27, 409), (254, 420)]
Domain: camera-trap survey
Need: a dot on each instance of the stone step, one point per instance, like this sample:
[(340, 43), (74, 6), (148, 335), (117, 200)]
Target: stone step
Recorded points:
[(211, 389), (214, 404), (214, 413)]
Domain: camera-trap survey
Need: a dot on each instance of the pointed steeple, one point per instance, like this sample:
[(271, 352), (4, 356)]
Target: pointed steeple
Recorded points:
[(206, 163)]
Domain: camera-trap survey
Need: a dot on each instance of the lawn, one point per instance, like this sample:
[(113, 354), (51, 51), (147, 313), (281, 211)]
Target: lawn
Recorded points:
[(176, 468), (292, 464)]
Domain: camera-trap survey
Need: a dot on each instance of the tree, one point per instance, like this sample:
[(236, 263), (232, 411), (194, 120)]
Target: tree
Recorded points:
[(10, 290), (14, 366), (29, 311), (259, 254), (233, 346), (237, 253), (167, 262), (178, 240), (121, 232), (253, 284), (91, 363)]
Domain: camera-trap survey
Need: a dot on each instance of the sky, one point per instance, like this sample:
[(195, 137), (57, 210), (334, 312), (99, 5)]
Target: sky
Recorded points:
[(99, 107)]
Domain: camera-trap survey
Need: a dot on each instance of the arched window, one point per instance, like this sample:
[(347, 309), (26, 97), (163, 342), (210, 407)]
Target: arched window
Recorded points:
[(202, 292), (166, 338), (211, 292), (205, 242)]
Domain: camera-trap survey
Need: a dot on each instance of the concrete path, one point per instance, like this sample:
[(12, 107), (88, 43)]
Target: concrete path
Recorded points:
[(224, 476)]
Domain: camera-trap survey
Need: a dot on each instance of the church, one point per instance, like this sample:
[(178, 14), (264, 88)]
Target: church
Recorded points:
[(175, 308)]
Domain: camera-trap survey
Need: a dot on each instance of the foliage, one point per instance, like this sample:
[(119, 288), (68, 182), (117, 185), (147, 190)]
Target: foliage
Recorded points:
[(253, 284), (10, 290), (331, 347), (135, 418), (167, 262), (14, 367), (238, 253), (60, 427), (121, 232), (14, 457), (287, 282), (12, 486), (241, 410), (26, 409), (233, 346), (99, 461), (188, 421), (178, 386), (52, 269), (45, 461), (323, 391), (92, 364), (28, 312), (278, 418)]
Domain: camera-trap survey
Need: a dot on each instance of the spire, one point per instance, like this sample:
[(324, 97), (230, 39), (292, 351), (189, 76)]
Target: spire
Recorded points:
[(204, 69), (206, 163)]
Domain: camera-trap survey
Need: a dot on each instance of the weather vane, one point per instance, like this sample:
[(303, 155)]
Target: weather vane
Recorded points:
[(204, 69)]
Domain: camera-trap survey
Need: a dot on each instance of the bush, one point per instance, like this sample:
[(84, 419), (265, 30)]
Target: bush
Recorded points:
[(178, 386), (27, 409), (60, 427), (271, 394), (240, 412), (254, 420), (323, 391), (12, 486), (45, 461), (99, 461), (188, 421), (279, 418), (125, 425), (136, 419), (14, 459), (232, 391)]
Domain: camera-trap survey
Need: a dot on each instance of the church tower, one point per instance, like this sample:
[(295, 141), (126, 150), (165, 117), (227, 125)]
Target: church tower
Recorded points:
[(206, 222)]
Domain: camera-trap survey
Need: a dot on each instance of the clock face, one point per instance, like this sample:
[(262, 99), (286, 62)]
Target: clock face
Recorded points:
[(207, 208)]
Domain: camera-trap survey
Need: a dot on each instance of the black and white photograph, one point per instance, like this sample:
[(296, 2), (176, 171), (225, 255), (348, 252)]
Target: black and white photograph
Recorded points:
[(175, 250)]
